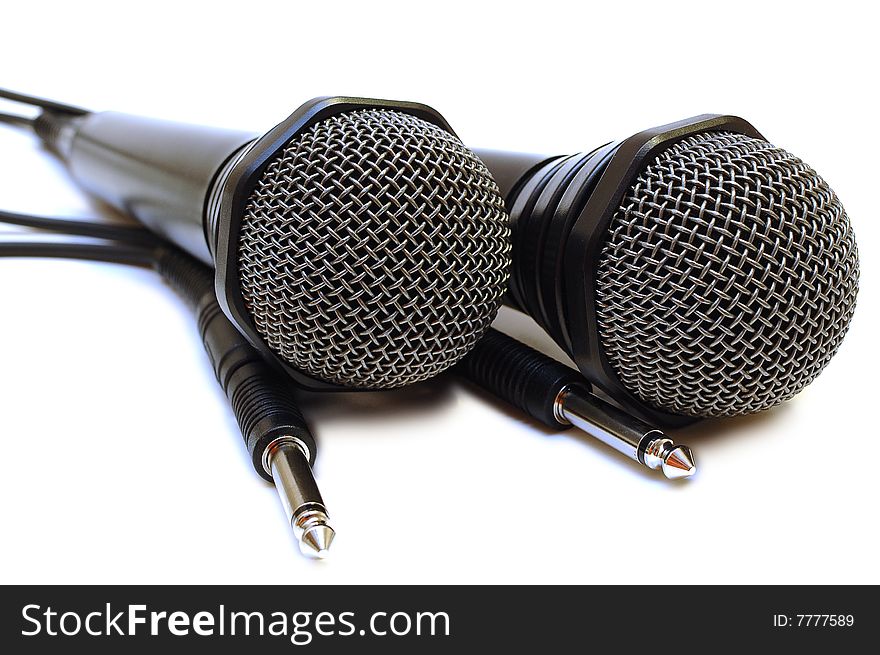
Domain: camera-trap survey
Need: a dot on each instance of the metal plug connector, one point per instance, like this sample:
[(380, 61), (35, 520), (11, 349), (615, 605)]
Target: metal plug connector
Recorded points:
[(287, 460), (626, 434)]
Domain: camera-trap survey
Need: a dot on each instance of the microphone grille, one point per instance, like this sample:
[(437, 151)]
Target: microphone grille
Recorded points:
[(374, 250), (728, 278)]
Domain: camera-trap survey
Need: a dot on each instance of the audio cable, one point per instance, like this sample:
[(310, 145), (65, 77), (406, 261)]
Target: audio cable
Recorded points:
[(280, 444), (279, 441), (42, 104), (560, 398), (15, 119)]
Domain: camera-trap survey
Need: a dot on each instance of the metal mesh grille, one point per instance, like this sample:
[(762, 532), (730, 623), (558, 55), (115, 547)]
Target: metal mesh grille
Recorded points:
[(374, 250), (728, 279)]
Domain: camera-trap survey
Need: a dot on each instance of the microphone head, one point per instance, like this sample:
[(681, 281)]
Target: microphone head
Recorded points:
[(726, 278), (369, 248)]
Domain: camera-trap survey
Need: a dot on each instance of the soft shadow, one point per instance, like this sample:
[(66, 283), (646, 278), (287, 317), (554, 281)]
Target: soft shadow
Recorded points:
[(424, 398), (716, 429)]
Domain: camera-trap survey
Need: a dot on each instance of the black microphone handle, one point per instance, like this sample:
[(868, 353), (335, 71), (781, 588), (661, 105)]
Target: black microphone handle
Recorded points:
[(158, 171), (521, 178)]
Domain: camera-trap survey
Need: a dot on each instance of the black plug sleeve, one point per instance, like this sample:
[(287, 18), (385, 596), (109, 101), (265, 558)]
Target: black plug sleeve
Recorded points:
[(261, 398), (520, 375)]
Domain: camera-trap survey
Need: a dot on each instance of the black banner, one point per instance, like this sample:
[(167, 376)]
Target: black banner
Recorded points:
[(435, 619)]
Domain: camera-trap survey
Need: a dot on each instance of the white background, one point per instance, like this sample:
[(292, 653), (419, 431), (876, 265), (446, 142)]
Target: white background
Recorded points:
[(121, 462)]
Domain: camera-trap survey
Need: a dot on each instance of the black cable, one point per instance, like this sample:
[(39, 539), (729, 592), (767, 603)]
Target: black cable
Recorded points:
[(261, 397), (43, 103), (122, 233), (262, 400), (15, 119), (115, 253)]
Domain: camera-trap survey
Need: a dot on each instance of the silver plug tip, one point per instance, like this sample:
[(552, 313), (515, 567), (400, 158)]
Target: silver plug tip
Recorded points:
[(316, 541), (287, 459), (679, 463), (675, 461), (311, 525)]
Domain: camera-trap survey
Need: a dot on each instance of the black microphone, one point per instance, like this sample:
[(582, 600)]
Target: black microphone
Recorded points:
[(692, 270), (358, 244)]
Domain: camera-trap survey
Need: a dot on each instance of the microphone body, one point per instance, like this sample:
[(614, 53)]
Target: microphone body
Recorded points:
[(158, 171), (357, 245), (692, 270)]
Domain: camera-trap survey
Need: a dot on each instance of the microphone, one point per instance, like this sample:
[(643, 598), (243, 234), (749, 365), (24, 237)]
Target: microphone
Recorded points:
[(692, 270), (357, 245)]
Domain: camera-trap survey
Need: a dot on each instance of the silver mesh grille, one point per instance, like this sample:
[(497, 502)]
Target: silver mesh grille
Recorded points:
[(728, 279), (374, 250)]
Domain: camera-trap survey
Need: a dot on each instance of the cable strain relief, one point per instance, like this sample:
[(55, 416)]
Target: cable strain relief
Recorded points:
[(266, 410), (520, 375), (47, 126), (261, 398), (56, 131), (187, 276)]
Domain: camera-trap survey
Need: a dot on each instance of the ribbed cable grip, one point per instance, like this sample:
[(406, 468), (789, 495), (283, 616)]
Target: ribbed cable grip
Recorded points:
[(261, 398), (519, 375)]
